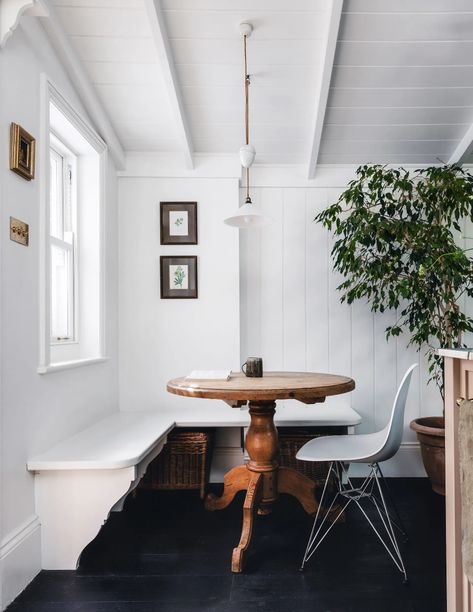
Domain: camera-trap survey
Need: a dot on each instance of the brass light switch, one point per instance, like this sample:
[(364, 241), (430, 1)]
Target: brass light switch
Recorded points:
[(19, 231)]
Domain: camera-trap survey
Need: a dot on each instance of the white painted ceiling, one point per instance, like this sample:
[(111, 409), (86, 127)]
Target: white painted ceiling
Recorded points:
[(401, 88), (402, 82), (284, 54)]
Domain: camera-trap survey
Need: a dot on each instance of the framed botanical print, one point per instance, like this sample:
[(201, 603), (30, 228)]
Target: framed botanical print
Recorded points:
[(22, 152), (178, 222), (178, 276)]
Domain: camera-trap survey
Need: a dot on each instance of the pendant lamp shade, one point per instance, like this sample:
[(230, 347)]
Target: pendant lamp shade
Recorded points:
[(248, 216)]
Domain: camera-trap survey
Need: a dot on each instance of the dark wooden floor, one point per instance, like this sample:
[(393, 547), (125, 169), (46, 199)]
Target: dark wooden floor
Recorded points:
[(165, 553)]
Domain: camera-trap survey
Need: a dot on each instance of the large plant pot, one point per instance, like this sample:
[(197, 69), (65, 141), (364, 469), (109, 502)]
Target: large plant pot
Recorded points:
[(431, 435)]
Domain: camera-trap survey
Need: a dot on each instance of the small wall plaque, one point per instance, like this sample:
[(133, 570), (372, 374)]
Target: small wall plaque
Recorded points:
[(19, 231)]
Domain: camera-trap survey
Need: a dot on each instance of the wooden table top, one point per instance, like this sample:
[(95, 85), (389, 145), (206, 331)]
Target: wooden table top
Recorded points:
[(307, 387)]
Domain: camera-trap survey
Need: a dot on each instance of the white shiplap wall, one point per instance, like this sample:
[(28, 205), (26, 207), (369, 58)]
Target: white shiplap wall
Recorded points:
[(291, 315)]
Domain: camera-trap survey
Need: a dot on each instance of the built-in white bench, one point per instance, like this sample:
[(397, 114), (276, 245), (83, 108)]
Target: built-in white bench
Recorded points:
[(81, 479)]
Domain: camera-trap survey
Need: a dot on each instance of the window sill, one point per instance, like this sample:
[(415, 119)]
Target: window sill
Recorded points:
[(68, 365)]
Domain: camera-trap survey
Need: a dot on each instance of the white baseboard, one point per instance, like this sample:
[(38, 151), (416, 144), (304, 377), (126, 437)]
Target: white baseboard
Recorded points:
[(20, 559)]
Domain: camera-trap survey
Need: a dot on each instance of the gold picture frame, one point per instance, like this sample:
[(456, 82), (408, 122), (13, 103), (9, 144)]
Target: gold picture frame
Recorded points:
[(22, 152)]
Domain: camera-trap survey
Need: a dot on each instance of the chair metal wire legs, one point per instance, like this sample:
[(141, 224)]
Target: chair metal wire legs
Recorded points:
[(346, 493), (391, 502)]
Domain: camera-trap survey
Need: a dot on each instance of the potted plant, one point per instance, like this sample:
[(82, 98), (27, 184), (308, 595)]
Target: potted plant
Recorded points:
[(397, 236)]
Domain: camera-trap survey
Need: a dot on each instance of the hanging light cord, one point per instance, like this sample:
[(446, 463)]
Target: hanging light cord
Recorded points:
[(247, 95), (247, 116)]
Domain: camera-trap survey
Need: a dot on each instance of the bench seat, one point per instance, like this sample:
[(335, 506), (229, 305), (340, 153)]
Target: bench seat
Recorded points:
[(82, 478), (123, 439), (120, 440)]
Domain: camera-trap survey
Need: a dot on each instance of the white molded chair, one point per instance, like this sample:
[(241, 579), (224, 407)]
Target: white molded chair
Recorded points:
[(339, 452)]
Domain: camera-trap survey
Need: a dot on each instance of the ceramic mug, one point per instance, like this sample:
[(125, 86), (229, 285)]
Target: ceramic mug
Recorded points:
[(253, 367)]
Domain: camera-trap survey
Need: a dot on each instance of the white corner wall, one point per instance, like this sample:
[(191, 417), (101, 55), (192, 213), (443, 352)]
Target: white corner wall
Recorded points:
[(291, 313), (162, 339), (37, 411)]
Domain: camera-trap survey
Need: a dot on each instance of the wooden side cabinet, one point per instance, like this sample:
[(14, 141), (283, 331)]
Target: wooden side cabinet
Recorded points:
[(458, 383)]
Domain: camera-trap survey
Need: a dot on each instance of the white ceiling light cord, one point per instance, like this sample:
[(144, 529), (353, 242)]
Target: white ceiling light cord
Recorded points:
[(247, 215)]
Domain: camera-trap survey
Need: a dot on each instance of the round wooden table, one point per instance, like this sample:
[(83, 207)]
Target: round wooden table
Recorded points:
[(262, 477)]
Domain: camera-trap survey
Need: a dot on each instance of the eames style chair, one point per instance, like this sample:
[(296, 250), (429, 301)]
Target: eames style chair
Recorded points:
[(371, 449)]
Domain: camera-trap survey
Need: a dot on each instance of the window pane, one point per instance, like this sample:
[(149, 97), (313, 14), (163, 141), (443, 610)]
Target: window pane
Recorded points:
[(67, 215), (61, 293), (56, 195)]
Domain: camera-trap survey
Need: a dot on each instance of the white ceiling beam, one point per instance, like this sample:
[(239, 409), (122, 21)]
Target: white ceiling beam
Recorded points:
[(83, 85), (163, 47), (464, 148), (324, 82)]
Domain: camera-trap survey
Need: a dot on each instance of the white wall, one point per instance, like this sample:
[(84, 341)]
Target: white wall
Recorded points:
[(291, 313), (37, 411), (163, 339)]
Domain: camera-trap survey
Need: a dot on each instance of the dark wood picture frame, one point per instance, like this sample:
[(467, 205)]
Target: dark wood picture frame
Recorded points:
[(167, 212), (22, 152), (168, 292)]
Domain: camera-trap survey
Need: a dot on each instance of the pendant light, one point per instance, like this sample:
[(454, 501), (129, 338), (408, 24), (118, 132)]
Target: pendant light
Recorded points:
[(247, 215)]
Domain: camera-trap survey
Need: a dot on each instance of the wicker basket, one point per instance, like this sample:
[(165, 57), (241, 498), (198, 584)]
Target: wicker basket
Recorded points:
[(184, 462), (291, 439)]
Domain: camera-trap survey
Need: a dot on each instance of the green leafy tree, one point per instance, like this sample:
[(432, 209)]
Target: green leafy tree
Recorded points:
[(396, 245)]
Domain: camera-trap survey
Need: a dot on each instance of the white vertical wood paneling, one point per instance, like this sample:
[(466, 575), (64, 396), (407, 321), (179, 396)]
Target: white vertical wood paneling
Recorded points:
[(317, 266), (293, 318), (250, 288), (362, 363), (385, 374), (468, 244), (271, 282), (294, 279), (339, 318), (244, 244), (406, 356), (430, 400)]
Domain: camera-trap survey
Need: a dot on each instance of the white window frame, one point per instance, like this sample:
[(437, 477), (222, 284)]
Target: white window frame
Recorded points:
[(67, 156), (47, 363)]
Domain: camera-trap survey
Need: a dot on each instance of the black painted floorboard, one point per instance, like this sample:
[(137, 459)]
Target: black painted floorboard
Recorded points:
[(165, 553)]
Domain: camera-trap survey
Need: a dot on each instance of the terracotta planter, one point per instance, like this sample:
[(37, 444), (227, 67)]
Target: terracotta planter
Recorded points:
[(431, 435)]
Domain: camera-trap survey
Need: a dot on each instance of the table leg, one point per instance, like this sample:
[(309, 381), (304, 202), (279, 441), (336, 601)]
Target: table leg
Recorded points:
[(252, 499), (262, 478), (263, 447), (237, 479), (299, 486)]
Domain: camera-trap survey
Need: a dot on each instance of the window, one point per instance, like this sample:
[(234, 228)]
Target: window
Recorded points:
[(71, 238), (62, 242)]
